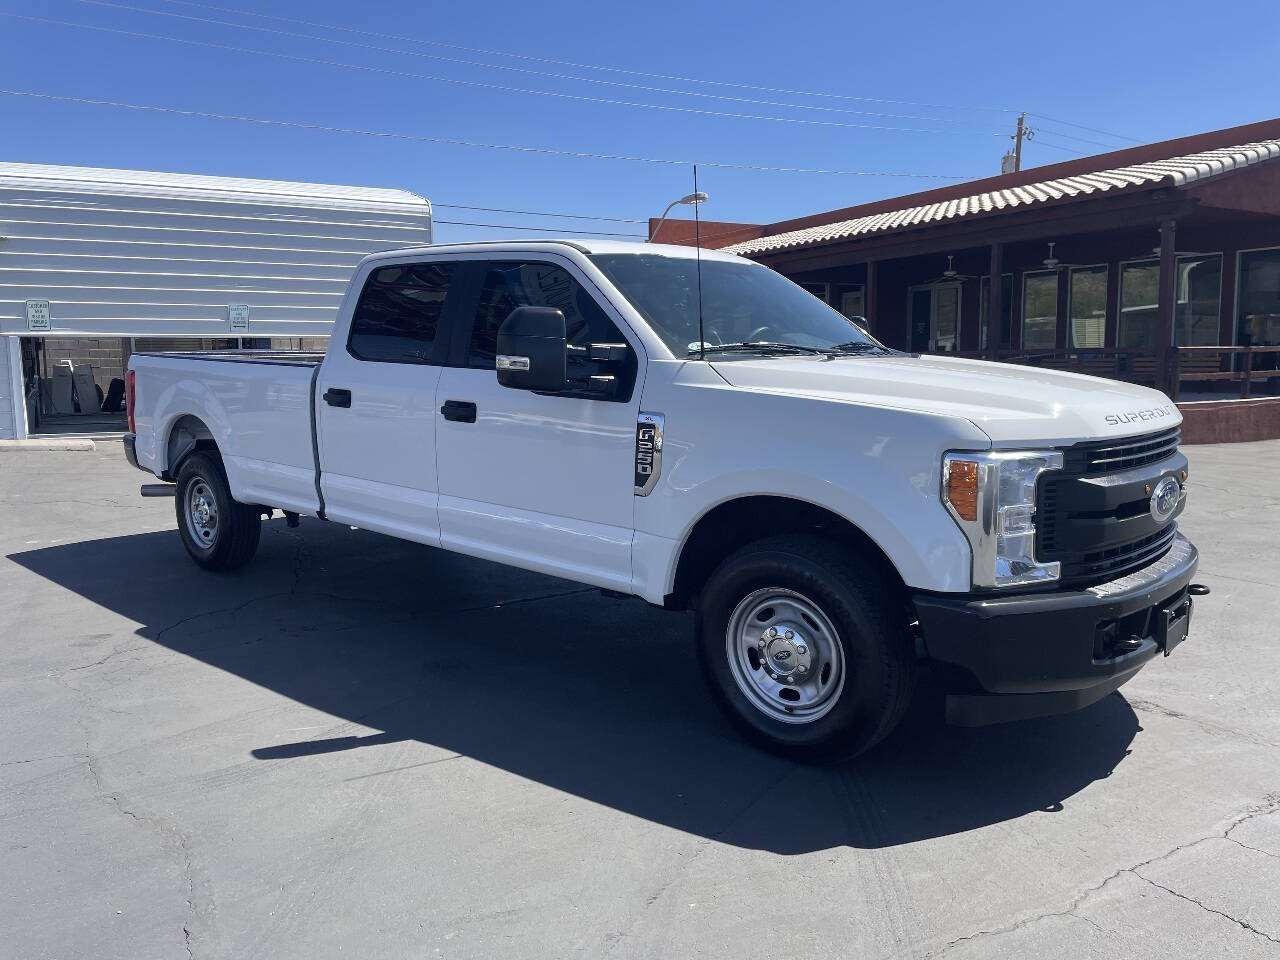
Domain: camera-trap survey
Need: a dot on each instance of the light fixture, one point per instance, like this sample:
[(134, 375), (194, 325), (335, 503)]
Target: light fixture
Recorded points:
[(692, 199)]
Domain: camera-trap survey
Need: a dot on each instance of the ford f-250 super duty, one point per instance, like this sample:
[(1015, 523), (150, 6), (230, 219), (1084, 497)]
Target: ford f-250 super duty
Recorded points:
[(703, 433)]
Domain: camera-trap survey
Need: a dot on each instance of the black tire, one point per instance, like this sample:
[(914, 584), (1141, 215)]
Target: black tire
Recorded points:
[(866, 610), (232, 540)]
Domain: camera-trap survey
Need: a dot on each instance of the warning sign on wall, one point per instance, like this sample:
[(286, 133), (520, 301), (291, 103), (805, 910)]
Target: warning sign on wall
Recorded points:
[(38, 314), (238, 314)]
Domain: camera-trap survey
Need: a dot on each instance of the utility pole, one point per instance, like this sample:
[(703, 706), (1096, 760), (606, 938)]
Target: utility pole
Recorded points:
[(1012, 161)]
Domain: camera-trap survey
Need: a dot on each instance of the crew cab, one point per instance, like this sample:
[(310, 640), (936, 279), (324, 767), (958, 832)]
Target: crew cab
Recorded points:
[(693, 429)]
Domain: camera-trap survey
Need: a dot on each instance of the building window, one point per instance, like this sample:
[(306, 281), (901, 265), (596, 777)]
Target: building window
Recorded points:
[(1006, 310), (1258, 317), (851, 299), (1088, 307), (1040, 310), (818, 289), (1195, 317)]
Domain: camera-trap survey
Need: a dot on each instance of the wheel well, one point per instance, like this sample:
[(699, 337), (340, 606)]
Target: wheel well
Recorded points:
[(187, 435), (735, 523)]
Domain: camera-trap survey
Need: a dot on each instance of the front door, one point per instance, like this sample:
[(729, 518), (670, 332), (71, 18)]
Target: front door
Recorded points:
[(375, 399), (933, 313), (542, 482)]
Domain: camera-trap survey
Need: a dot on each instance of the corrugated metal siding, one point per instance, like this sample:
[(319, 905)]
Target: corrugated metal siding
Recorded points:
[(128, 253), (9, 391), (1180, 171)]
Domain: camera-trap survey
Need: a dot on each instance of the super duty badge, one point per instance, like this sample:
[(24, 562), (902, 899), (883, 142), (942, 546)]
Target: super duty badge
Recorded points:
[(1135, 416), (648, 451)]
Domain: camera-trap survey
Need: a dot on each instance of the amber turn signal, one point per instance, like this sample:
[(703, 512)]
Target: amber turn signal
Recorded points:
[(962, 488)]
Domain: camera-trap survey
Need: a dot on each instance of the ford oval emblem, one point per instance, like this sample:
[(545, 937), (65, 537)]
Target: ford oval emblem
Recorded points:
[(782, 655), (1164, 499)]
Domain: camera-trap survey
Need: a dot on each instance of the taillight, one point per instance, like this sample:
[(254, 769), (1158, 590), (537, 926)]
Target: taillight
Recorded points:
[(130, 396)]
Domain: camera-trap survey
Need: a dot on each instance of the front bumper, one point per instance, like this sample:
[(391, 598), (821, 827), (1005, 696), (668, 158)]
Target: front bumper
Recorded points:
[(1041, 653)]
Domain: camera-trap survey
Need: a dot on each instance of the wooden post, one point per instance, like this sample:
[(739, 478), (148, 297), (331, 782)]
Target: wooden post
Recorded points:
[(869, 301), (1017, 142), (1167, 300), (995, 300), (1247, 386)]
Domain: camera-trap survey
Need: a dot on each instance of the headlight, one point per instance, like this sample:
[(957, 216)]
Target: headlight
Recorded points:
[(992, 496)]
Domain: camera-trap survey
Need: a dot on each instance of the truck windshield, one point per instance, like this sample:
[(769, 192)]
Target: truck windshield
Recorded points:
[(747, 309)]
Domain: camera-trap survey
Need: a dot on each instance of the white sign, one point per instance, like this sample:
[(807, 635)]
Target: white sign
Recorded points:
[(238, 313), (38, 315)]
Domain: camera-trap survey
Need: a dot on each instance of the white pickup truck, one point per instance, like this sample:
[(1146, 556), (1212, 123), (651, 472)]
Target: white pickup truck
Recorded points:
[(702, 433)]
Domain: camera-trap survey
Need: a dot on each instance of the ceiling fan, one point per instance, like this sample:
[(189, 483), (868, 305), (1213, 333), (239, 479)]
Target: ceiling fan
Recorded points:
[(1053, 263), (951, 274)]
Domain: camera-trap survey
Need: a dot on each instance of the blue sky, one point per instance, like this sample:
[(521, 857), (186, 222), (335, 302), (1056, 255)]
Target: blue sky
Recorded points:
[(958, 73)]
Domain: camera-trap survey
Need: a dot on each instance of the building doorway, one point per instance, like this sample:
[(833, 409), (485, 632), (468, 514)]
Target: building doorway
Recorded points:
[(933, 317)]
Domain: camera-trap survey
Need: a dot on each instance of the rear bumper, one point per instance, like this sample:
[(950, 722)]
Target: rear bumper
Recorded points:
[(1038, 654), (131, 450)]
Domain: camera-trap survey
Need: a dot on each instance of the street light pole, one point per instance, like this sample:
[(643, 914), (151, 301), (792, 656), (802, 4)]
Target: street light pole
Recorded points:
[(692, 199)]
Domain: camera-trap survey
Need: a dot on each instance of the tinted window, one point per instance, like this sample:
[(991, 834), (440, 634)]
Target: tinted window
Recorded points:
[(399, 312), (508, 285)]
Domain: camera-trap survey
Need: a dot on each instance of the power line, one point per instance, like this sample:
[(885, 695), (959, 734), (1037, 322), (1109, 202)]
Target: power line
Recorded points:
[(1056, 146), (419, 138), (1080, 126), (475, 83), (536, 213), (1072, 136), (508, 67), (628, 72), (581, 66)]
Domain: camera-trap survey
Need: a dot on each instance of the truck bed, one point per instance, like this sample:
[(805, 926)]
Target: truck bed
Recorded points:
[(256, 405)]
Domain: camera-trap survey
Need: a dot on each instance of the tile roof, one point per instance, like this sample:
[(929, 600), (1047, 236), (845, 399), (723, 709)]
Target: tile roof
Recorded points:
[(1176, 171)]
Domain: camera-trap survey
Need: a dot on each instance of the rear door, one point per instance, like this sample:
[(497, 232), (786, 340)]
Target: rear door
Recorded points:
[(544, 482), (376, 402)]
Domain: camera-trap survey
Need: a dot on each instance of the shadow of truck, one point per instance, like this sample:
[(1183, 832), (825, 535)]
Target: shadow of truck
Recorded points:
[(552, 682)]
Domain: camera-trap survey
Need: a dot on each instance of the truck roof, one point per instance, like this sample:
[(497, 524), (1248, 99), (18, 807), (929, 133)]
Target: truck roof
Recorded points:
[(587, 246)]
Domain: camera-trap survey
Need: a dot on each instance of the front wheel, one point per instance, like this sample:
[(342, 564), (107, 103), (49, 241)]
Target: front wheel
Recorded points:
[(805, 647), (218, 532)]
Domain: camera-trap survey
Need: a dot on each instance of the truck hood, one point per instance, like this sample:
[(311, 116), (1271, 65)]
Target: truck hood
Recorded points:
[(1012, 404)]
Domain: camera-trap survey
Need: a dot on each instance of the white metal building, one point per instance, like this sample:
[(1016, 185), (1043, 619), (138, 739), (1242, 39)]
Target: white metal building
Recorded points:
[(95, 263)]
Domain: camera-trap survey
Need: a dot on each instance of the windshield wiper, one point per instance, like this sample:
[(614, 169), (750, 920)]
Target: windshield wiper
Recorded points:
[(859, 346), (761, 346)]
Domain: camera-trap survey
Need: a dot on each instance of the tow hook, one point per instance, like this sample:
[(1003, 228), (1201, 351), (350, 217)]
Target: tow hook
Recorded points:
[(1198, 590)]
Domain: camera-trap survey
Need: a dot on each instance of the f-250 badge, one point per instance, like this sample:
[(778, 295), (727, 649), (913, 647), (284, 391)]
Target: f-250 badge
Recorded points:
[(648, 451)]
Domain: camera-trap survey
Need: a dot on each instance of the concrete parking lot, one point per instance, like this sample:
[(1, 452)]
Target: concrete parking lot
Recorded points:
[(360, 747)]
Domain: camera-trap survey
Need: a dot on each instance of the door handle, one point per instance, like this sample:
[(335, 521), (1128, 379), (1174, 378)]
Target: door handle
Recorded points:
[(460, 411), (337, 397)]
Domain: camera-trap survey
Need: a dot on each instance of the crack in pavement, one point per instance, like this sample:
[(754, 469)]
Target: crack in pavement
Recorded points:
[(54, 756), (171, 837), (1182, 896), (1269, 804), (1208, 726)]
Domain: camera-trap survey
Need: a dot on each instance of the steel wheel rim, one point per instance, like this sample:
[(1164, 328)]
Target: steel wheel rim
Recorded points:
[(785, 655), (201, 512)]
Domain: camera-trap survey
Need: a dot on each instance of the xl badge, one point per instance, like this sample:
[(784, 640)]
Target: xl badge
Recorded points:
[(1164, 499)]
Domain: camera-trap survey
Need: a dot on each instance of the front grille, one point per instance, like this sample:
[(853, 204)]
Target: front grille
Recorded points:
[(1093, 516), (1114, 456), (1112, 562)]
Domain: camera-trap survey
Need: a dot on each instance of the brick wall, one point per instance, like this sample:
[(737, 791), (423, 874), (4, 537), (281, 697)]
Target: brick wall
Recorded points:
[(106, 356)]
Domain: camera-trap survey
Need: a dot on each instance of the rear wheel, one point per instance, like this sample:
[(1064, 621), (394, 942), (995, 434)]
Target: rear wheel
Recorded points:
[(218, 532), (806, 647)]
